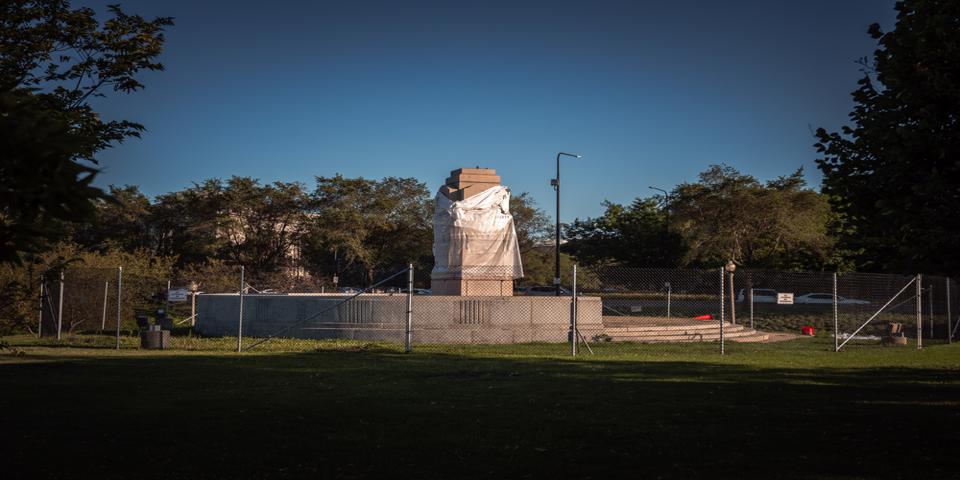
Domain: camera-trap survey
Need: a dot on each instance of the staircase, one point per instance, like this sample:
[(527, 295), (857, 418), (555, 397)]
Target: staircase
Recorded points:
[(647, 330)]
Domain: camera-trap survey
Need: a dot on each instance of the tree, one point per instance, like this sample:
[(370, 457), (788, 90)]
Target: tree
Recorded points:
[(725, 215), (636, 235), (375, 226), (53, 60), (894, 176), (123, 222), (241, 222), (535, 239), (532, 224), (187, 223), (264, 224), (729, 215)]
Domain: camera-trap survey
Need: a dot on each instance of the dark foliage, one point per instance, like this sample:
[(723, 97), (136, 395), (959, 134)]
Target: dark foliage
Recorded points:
[(894, 176), (53, 59)]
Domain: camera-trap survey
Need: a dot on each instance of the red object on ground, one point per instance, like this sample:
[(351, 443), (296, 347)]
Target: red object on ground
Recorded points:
[(806, 330), (704, 317)]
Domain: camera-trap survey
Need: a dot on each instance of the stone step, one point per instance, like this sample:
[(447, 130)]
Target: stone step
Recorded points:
[(673, 328), (751, 335), (757, 337), (675, 338)]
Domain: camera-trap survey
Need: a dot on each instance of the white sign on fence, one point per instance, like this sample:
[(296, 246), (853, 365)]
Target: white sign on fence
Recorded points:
[(785, 299), (177, 295)]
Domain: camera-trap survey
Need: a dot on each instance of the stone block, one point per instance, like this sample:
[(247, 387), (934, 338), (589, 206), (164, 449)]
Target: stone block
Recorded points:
[(473, 171), (456, 181), (472, 287), (467, 191), (464, 183)]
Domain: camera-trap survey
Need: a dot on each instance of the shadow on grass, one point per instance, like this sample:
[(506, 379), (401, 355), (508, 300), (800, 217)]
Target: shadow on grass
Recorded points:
[(379, 413)]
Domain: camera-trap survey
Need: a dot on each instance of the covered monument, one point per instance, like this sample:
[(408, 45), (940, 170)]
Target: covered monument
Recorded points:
[(475, 248), (476, 257)]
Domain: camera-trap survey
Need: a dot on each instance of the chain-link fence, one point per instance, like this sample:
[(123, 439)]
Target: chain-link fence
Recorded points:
[(485, 310), (613, 310), (939, 301), (375, 316), (77, 300), (109, 306), (654, 307)]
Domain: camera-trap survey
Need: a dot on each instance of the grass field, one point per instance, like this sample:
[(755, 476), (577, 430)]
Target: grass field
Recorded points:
[(349, 410)]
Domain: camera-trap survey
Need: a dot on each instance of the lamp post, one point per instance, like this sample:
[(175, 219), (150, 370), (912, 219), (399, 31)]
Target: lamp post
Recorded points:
[(730, 267), (666, 201), (556, 246)]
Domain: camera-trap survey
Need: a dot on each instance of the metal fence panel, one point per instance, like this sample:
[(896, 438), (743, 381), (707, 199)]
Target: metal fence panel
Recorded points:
[(617, 310)]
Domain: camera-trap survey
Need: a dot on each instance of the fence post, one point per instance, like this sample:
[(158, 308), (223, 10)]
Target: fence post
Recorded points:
[(193, 308), (573, 314), (919, 311), (930, 304), (103, 317), (119, 294), (240, 324), (40, 320), (722, 301), (836, 320), (408, 333), (949, 320), (751, 307), (60, 308), (733, 299), (669, 291)]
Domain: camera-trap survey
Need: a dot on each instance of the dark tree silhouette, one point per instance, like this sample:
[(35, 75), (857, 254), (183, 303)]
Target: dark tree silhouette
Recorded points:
[(53, 60), (894, 176)]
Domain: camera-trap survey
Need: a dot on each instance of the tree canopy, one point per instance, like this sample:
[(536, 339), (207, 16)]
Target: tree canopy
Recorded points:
[(893, 177), (370, 224), (728, 215), (638, 234), (725, 215), (53, 60)]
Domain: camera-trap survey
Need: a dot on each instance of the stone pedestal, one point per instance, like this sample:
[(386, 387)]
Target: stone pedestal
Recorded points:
[(474, 287), (462, 184)]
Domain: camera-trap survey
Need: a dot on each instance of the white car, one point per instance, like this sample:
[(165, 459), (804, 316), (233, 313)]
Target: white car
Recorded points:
[(827, 298), (417, 291), (760, 295)]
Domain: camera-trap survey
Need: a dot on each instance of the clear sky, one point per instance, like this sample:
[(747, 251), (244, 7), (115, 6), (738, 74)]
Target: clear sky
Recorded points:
[(650, 93)]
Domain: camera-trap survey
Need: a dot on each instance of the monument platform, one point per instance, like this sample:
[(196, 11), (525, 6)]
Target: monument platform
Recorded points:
[(382, 317)]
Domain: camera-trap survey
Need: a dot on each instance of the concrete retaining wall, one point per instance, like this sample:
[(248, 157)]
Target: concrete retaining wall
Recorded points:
[(436, 319)]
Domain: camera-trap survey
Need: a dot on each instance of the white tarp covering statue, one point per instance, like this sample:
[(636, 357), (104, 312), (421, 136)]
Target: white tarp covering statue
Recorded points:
[(475, 247)]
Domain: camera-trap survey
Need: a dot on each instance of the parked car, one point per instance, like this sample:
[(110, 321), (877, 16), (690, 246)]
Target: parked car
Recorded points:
[(417, 291), (547, 290), (760, 295), (827, 298)]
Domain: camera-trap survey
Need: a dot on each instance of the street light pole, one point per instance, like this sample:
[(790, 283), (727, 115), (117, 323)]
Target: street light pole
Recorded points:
[(666, 201), (556, 246)]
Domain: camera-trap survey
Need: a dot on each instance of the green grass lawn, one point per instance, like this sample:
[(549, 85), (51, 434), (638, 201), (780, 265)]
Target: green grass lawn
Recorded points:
[(349, 410)]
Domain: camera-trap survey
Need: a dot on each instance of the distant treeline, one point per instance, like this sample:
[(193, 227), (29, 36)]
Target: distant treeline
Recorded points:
[(362, 229)]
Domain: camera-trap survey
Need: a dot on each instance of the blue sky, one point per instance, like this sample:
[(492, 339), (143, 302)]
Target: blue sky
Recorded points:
[(650, 93)]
